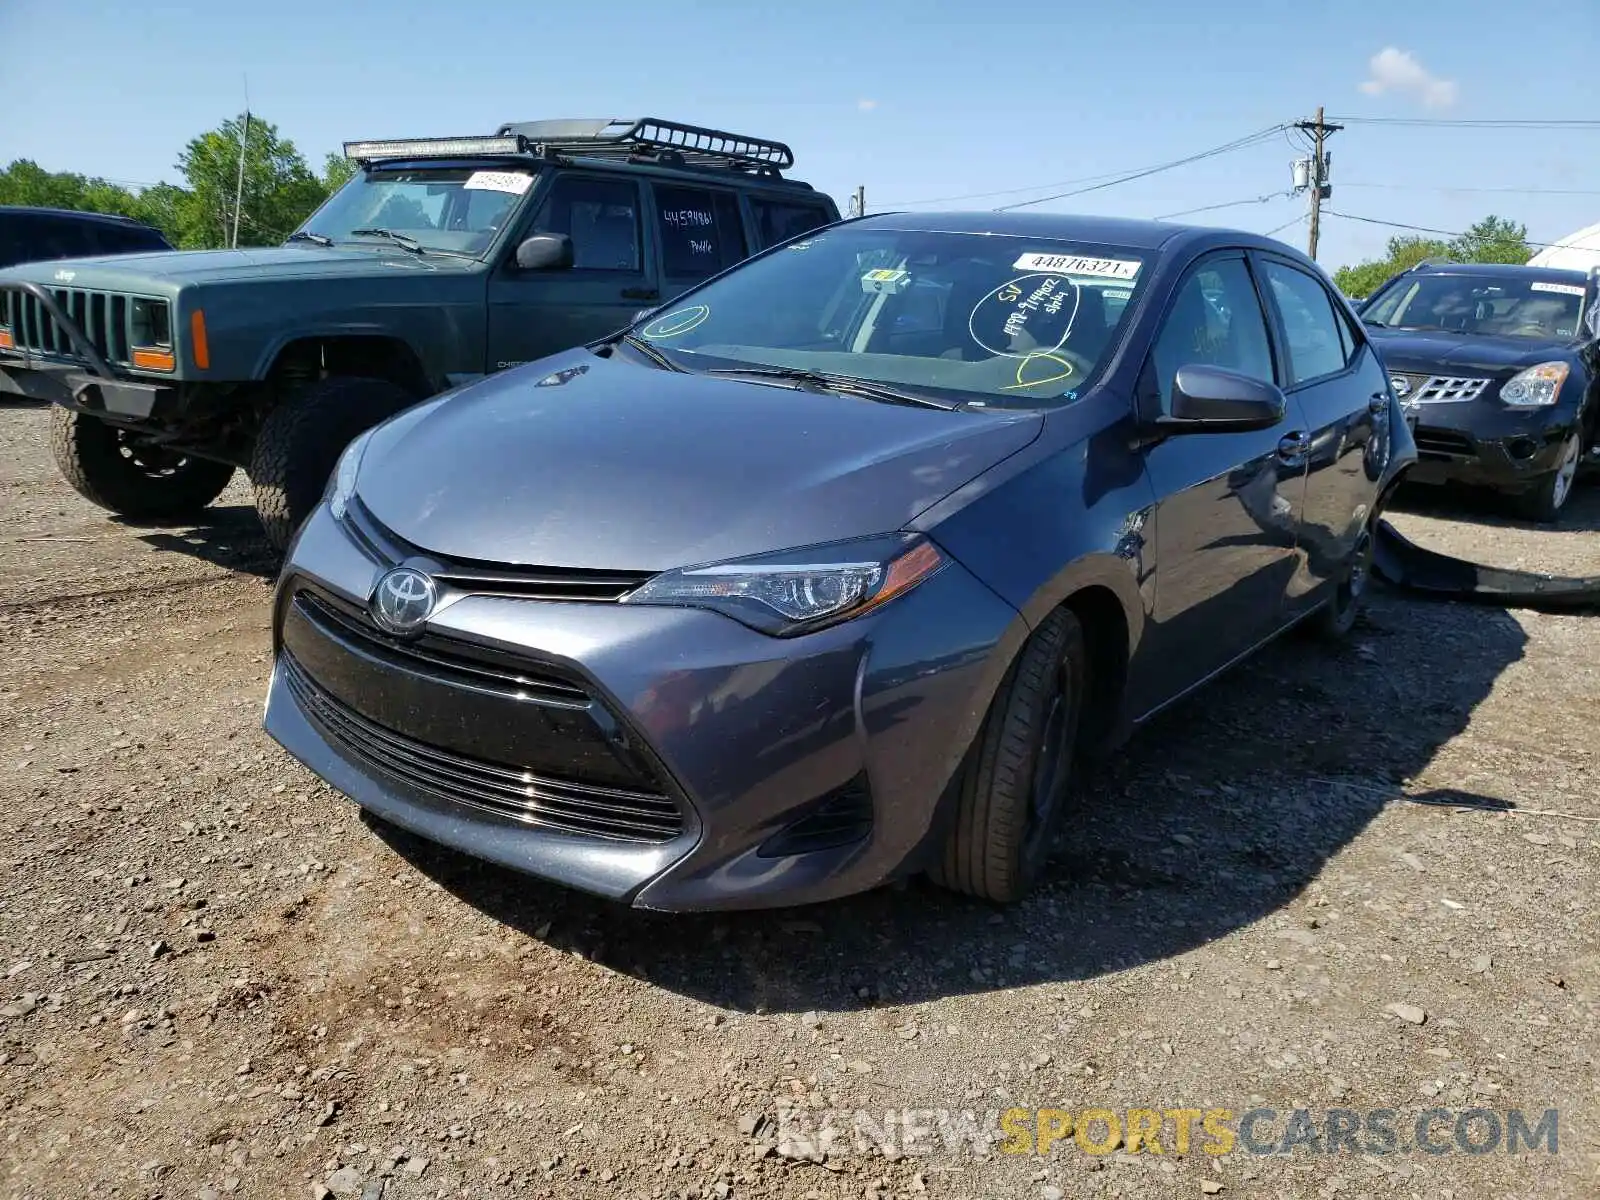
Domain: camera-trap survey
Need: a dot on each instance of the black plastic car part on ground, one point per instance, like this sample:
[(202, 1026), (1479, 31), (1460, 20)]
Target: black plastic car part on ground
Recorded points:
[(1499, 369), (1403, 563), (47, 234), (830, 571), (442, 261)]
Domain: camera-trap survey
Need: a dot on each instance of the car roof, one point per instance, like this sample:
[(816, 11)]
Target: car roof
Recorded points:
[(73, 214), (1075, 227), (1504, 270)]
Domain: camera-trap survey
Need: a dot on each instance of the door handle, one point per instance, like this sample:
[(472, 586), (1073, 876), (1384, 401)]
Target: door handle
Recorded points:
[(1378, 403), (641, 293), (1293, 445)]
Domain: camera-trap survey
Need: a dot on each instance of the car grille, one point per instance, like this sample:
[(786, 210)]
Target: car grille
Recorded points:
[(1442, 444), (105, 318), (502, 789), (495, 579), (1438, 389)]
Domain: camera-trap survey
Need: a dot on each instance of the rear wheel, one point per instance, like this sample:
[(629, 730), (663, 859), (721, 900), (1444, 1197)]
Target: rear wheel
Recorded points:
[(1338, 617), (301, 440), (1545, 502), (1015, 785), (123, 471)]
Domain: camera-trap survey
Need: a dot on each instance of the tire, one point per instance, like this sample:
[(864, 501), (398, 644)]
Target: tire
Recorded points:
[(1334, 620), (109, 466), (1014, 788), (301, 440), (1545, 502)]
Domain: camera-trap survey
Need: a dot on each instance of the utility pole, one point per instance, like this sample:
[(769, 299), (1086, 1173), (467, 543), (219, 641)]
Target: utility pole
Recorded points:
[(858, 202), (1317, 183)]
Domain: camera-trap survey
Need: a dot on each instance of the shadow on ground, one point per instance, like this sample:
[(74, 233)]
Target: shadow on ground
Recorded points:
[(1487, 508), (1216, 815), (228, 536)]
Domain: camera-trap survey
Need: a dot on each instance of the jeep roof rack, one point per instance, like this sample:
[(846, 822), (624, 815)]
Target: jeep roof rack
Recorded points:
[(668, 141)]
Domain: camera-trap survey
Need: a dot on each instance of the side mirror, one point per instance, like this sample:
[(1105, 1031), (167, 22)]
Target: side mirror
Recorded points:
[(1213, 400), (545, 252)]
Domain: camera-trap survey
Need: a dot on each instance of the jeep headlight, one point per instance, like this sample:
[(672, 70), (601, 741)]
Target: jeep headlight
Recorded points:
[(342, 489), (1536, 387), (797, 591)]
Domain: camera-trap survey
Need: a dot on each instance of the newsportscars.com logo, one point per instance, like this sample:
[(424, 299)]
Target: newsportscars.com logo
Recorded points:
[(820, 1133)]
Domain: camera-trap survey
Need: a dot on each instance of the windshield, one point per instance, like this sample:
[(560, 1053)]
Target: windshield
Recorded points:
[(458, 210), (1490, 305), (984, 319)]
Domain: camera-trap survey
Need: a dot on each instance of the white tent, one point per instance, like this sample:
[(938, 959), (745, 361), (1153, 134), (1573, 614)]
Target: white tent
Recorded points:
[(1575, 252)]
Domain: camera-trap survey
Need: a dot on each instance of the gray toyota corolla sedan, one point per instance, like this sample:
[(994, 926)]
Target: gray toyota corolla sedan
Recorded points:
[(829, 571)]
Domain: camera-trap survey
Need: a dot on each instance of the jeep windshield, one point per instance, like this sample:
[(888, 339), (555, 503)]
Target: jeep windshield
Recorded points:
[(451, 210), (967, 318), (1482, 305)]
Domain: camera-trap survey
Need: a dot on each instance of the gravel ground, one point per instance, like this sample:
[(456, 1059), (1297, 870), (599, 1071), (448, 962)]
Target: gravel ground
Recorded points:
[(220, 980)]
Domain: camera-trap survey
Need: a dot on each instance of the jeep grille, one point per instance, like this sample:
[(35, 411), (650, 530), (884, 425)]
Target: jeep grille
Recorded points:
[(106, 319)]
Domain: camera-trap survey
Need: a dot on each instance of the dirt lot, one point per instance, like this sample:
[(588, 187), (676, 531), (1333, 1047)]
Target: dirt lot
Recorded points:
[(221, 981)]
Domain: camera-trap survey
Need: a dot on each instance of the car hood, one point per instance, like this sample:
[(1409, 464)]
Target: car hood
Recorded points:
[(1436, 352), (165, 271), (584, 462)]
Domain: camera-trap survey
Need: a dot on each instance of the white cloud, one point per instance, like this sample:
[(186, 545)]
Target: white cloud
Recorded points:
[(1399, 71), (866, 105)]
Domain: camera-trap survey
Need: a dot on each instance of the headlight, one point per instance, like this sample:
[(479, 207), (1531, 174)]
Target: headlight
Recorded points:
[(342, 488), (1536, 387), (798, 591)]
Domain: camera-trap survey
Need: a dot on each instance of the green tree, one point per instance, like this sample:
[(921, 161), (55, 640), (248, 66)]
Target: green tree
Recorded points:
[(1492, 240), (279, 189), (337, 170)]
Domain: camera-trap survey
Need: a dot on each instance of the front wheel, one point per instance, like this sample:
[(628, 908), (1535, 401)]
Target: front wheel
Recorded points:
[(1014, 787), (128, 474), (1549, 496), (300, 443)]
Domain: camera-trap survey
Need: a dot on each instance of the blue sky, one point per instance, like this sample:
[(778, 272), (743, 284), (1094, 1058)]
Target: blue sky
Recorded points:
[(916, 101)]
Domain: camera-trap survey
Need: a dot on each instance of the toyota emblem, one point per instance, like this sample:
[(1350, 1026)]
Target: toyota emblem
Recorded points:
[(403, 600)]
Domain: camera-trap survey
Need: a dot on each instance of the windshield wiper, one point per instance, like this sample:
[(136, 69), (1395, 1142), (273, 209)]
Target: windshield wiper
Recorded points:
[(410, 243), (654, 354), (844, 385), (305, 235)]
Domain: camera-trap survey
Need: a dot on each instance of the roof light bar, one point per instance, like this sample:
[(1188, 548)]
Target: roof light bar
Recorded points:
[(434, 147)]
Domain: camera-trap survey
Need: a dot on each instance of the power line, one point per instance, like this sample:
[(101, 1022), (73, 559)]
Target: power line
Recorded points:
[(1425, 187), (1237, 144), (1286, 224), (1450, 233), (1004, 192), (1226, 204), (1471, 123)]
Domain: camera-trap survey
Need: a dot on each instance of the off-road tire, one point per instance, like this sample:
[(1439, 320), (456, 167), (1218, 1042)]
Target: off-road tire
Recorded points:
[(992, 850), (1547, 499), (107, 466), (301, 440)]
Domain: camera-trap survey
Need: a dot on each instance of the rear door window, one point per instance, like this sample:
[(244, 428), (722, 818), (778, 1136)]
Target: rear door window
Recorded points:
[(778, 220), (1318, 341), (127, 239), (699, 230)]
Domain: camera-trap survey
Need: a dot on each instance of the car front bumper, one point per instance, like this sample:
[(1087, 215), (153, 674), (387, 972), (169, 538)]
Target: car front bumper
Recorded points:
[(1486, 444), (715, 767)]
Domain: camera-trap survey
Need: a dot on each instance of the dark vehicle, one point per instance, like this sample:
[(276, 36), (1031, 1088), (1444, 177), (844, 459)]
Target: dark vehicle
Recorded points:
[(829, 571), (46, 234), (1499, 371), (442, 261)]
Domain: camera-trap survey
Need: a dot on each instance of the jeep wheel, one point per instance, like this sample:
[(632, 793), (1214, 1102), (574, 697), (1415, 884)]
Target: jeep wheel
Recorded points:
[(1549, 496), (301, 440), (121, 471), (1014, 787)]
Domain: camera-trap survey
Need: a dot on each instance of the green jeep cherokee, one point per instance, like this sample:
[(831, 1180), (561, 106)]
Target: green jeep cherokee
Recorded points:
[(442, 260)]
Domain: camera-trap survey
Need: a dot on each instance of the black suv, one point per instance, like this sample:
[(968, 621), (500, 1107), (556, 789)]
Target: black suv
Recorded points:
[(441, 261), (1498, 368), (44, 234)]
